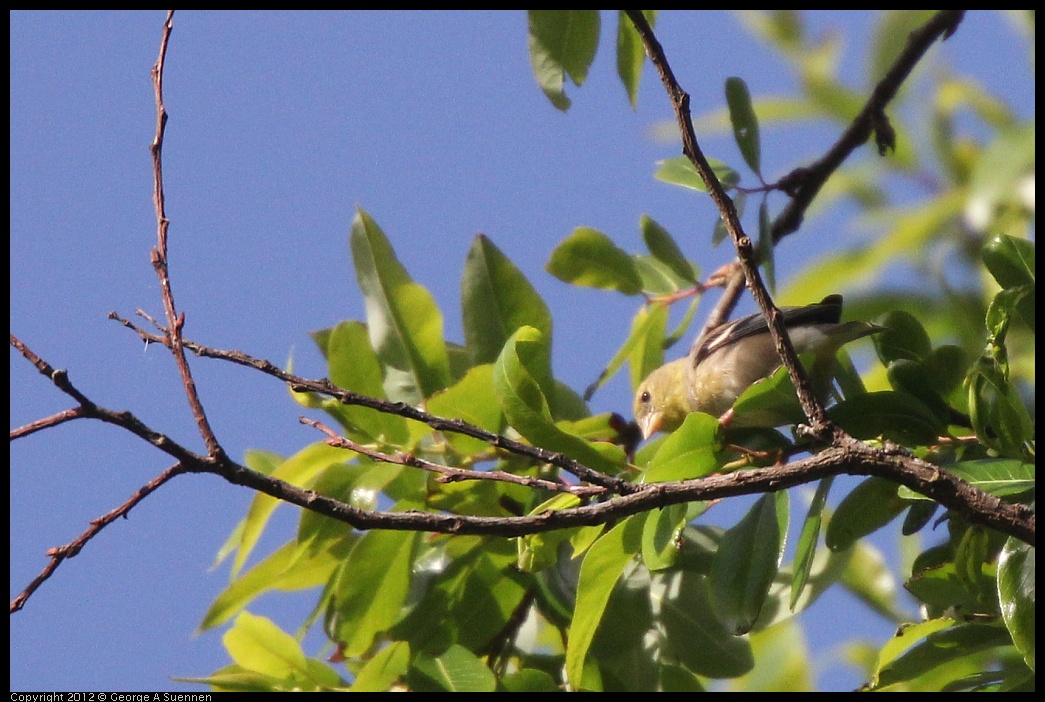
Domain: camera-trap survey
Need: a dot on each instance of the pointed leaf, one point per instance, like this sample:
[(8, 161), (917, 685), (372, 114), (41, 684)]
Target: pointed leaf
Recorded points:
[(745, 123), (747, 561), (353, 365), (386, 667), (896, 415), (496, 299), (680, 171), (405, 325), (692, 631), (904, 338), (643, 347), (602, 567), (663, 247), (287, 564), (590, 258), (1016, 589), (807, 541), (300, 469), (474, 400), (455, 670), (257, 644), (372, 588), (562, 42), (871, 505), (631, 54), (1010, 260), (689, 452), (522, 378)]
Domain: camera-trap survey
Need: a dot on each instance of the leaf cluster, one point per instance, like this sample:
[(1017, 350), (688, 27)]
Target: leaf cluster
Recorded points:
[(660, 600)]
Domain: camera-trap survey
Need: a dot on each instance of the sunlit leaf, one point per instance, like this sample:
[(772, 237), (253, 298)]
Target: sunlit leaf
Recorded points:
[(590, 258), (404, 323), (496, 299), (745, 123), (561, 43)]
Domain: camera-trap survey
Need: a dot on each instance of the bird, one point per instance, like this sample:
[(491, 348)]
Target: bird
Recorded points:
[(729, 358)]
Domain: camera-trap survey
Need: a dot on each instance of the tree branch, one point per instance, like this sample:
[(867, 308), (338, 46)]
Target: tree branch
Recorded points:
[(175, 322), (804, 183)]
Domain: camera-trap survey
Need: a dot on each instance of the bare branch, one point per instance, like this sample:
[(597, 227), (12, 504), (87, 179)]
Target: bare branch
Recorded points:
[(804, 183), (175, 322), (449, 474), (71, 549)]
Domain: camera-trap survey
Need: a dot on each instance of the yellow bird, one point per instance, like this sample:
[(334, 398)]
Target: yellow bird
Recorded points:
[(724, 362)]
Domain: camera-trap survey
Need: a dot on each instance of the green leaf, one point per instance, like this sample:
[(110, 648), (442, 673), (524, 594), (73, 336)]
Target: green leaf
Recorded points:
[(496, 299), (689, 452), (631, 54), (522, 377), (680, 171), (904, 338), (1009, 259), (589, 258), (896, 415), (541, 550), (913, 378), (529, 680), (643, 347), (1002, 172), (299, 470), (405, 325), (747, 561), (663, 247), (770, 402), (562, 42), (372, 588), (602, 567), (999, 416), (258, 645), (455, 670), (783, 662), (662, 533), (1016, 589), (766, 248), (890, 38), (353, 365), (869, 578), (657, 277), (470, 590), (871, 505), (997, 476), (745, 123), (290, 567), (383, 670), (693, 633), (474, 400), (946, 367), (938, 649), (905, 638), (807, 541)]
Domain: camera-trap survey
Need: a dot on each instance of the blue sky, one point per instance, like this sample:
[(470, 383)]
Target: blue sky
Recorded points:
[(281, 125)]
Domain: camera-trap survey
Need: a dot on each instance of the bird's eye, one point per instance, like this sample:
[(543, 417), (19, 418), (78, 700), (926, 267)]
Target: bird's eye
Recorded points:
[(644, 397)]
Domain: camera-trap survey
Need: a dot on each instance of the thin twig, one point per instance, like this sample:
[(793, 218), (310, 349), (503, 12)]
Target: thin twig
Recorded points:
[(449, 474), (71, 549), (325, 387), (175, 322), (806, 182)]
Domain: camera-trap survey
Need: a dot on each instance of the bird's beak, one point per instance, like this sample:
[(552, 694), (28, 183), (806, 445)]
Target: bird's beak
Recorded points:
[(650, 424)]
